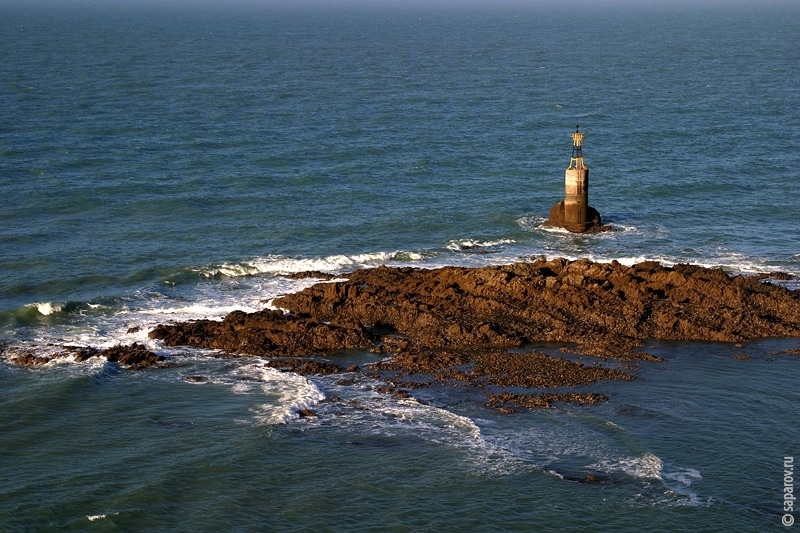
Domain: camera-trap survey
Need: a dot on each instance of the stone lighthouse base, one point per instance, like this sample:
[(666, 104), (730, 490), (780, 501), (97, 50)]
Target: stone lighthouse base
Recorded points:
[(594, 225)]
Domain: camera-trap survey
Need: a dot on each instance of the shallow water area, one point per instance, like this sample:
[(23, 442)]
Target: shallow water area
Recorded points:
[(209, 436)]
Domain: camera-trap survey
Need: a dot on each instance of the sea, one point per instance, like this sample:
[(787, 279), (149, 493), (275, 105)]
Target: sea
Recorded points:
[(164, 162)]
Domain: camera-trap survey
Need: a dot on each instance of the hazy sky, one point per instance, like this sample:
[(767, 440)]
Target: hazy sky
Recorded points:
[(417, 4)]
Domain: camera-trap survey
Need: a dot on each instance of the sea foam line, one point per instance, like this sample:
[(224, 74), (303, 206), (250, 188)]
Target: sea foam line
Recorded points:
[(466, 244), (278, 264), (96, 517), (646, 466)]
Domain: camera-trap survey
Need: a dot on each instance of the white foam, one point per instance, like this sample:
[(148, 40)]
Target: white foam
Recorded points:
[(131, 321), (627, 260), (432, 420), (535, 223), (59, 360), (555, 229), (199, 310), (47, 308), (288, 392), (368, 414), (96, 517), (278, 264), (291, 393), (648, 466), (733, 263), (685, 477), (621, 228), (466, 244), (408, 256), (678, 493)]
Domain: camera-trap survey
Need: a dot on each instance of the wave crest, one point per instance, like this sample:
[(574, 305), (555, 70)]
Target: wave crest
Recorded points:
[(468, 244), (282, 265), (47, 308)]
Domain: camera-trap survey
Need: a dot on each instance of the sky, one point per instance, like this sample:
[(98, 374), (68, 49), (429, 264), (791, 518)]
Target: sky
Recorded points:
[(416, 4)]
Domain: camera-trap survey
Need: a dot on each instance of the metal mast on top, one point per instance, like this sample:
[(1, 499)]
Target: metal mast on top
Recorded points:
[(577, 150)]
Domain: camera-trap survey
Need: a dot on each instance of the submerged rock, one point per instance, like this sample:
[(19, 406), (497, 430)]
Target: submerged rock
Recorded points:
[(304, 367), (135, 356), (505, 400)]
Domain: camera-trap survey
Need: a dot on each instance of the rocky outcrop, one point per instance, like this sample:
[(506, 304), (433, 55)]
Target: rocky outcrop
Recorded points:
[(558, 220), (268, 333), (135, 356), (606, 308), (455, 325), (484, 367), (504, 401)]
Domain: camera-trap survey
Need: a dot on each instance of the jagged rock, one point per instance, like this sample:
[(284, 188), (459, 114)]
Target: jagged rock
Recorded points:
[(266, 333), (133, 356), (456, 324), (611, 306), (557, 219), (606, 307)]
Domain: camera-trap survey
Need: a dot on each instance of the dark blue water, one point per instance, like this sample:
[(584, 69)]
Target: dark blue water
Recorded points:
[(164, 164)]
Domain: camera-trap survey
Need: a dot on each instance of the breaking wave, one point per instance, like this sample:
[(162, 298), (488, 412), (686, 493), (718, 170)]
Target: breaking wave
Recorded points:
[(282, 265)]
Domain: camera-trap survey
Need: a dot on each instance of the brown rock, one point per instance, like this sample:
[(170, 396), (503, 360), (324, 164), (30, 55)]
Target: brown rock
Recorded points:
[(456, 324), (556, 301), (133, 356), (266, 333), (316, 274), (557, 219), (305, 367), (537, 401)]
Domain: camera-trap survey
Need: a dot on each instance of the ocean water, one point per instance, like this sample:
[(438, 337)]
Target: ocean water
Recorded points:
[(161, 164)]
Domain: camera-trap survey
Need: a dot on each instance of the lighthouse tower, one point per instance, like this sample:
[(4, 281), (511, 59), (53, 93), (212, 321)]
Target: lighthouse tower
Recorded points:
[(574, 212), (576, 188)]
